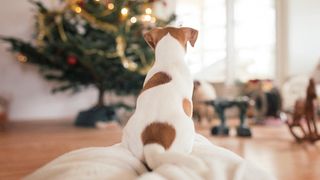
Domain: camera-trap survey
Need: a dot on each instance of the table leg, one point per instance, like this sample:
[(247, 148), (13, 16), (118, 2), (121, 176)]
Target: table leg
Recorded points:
[(242, 129), (221, 129)]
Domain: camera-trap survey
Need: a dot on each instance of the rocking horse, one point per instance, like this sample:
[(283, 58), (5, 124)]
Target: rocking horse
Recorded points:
[(305, 112)]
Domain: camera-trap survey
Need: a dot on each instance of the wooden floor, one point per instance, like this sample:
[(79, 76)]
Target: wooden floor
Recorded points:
[(26, 146)]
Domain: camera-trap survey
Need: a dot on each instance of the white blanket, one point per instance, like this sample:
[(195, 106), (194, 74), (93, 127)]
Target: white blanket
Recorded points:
[(116, 162)]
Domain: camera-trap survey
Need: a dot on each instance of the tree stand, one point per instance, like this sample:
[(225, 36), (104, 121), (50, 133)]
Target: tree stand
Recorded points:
[(99, 112), (220, 106), (88, 118)]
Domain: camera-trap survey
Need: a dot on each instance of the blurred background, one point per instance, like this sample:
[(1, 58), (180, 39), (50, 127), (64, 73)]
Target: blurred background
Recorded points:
[(83, 62)]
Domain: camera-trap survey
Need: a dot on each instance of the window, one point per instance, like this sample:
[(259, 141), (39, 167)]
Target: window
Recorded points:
[(236, 40)]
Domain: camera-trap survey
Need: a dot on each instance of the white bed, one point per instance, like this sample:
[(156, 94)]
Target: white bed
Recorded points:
[(116, 162)]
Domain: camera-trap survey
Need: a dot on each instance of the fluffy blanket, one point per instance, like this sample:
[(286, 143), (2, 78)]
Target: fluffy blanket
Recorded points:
[(116, 162)]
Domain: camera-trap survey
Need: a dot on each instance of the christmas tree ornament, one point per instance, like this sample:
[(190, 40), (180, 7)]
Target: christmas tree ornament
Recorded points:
[(80, 29), (22, 58), (72, 60)]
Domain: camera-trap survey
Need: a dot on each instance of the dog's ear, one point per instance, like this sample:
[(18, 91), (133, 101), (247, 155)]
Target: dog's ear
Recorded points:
[(191, 35), (196, 84), (149, 37)]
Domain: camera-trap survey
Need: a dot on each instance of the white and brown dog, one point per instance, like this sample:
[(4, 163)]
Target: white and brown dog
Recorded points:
[(161, 129)]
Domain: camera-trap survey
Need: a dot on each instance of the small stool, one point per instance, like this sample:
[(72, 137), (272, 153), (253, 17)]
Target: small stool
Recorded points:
[(220, 105)]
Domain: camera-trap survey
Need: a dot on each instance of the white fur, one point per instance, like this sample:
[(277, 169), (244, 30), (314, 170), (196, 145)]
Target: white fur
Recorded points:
[(155, 156), (163, 103)]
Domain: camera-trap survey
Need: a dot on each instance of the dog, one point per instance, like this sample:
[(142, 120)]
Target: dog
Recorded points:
[(161, 129)]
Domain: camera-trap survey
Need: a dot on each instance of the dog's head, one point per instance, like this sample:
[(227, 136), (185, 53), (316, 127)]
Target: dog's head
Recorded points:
[(182, 35)]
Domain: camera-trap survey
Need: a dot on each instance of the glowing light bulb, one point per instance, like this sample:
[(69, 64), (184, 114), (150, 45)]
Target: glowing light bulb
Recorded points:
[(133, 20), (148, 11), (22, 58), (153, 20), (124, 11), (97, 0), (77, 9), (110, 6), (146, 18)]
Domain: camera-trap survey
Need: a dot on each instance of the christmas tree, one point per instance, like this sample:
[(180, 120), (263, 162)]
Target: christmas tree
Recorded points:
[(92, 43)]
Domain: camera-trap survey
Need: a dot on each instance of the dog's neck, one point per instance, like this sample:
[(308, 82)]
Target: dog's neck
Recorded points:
[(169, 51)]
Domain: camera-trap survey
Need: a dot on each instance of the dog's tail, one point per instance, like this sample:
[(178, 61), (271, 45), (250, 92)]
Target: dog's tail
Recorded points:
[(157, 138)]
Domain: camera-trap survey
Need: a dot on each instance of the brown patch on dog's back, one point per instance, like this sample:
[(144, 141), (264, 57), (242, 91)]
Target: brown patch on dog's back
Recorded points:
[(157, 79), (160, 133), (187, 107)]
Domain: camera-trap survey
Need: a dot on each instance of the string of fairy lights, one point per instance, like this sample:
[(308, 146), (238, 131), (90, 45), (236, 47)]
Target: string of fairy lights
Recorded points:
[(110, 6), (78, 6)]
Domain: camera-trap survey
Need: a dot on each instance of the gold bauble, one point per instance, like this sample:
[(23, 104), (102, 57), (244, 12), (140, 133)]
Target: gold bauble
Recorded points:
[(22, 58)]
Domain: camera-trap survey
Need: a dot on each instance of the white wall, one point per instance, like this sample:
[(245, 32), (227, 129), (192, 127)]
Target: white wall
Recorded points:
[(29, 94), (303, 36)]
